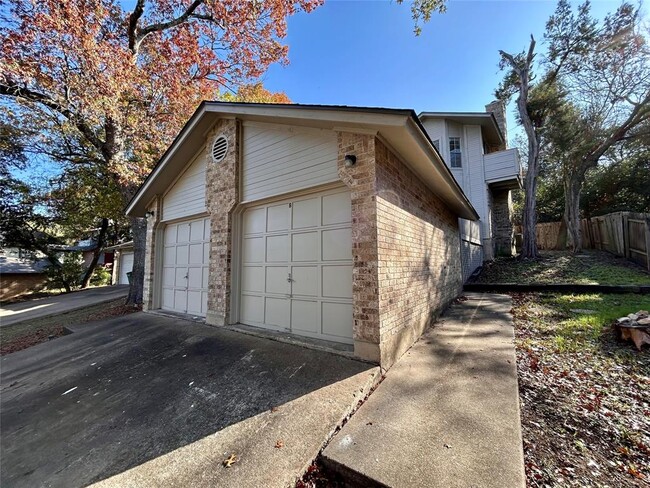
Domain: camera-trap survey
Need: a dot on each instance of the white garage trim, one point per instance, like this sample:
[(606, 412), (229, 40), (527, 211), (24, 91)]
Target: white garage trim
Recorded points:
[(295, 266), (184, 266)]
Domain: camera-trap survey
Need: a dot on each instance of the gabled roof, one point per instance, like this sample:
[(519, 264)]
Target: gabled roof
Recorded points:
[(401, 128), (487, 121)]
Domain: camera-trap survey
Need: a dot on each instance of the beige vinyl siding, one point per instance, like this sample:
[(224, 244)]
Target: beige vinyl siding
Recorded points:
[(501, 165), (187, 196), (280, 159)]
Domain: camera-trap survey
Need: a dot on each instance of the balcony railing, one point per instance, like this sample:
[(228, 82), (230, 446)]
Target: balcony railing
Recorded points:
[(503, 166)]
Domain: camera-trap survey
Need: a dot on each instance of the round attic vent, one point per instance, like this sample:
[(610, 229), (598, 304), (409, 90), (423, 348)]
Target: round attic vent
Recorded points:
[(219, 149)]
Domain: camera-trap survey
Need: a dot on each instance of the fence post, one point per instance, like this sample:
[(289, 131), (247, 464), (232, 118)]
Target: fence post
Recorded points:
[(647, 241)]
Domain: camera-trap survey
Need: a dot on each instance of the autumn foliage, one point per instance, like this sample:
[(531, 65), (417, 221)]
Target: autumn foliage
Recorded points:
[(87, 83)]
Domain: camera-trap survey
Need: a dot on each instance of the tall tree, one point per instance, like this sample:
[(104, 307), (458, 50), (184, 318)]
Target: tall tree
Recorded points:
[(536, 101), (97, 85), (609, 89)]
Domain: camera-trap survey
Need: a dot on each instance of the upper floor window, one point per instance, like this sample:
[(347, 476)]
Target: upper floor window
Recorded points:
[(454, 152)]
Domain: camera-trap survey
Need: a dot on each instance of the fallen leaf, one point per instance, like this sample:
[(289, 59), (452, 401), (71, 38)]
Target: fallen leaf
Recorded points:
[(232, 459), (279, 443)]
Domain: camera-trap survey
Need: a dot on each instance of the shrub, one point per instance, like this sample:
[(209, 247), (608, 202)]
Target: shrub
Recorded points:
[(69, 275)]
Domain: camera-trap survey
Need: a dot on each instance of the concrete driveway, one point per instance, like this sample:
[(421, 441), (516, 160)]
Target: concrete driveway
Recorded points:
[(147, 400), (43, 307)]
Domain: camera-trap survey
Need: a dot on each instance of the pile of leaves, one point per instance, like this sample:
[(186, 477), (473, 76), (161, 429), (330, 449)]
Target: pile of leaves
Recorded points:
[(585, 409)]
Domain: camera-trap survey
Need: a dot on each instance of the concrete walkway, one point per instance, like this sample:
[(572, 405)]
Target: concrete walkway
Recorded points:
[(447, 414), (44, 307)]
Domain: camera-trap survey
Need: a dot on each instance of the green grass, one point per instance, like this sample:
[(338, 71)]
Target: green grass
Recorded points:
[(590, 268), (564, 331)]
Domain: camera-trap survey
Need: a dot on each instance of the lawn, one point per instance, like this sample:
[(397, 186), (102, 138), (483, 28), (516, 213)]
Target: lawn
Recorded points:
[(587, 268), (31, 332), (585, 396)]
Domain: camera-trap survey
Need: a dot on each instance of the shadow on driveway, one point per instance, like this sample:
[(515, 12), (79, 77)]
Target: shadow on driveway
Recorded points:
[(116, 394)]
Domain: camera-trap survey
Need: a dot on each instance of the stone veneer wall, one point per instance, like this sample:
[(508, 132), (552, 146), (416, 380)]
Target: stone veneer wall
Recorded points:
[(361, 179), (153, 224), (222, 196), (502, 228), (419, 255)]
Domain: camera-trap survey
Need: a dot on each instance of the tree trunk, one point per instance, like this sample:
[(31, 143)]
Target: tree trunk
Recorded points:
[(529, 217), (98, 251), (139, 232), (572, 190)]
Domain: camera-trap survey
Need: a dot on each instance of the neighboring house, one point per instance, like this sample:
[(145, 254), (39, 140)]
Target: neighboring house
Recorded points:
[(335, 223), (20, 274), (87, 249), (474, 147), (122, 262)]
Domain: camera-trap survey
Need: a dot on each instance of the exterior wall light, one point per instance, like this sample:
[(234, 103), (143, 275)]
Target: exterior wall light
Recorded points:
[(149, 213), (350, 160)]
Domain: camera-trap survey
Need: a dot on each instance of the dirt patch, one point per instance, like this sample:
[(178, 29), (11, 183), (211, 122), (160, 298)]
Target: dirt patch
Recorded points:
[(587, 268), (31, 332), (585, 396)]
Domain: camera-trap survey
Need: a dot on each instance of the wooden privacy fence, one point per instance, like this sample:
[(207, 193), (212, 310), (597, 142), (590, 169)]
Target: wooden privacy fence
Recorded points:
[(625, 234)]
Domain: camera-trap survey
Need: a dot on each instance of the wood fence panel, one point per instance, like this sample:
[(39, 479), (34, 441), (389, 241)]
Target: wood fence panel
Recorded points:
[(625, 234)]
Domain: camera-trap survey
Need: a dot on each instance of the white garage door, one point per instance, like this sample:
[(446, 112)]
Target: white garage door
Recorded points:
[(185, 267), (126, 266), (297, 266)]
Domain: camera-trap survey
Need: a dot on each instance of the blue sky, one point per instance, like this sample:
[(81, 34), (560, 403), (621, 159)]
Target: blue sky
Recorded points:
[(365, 53)]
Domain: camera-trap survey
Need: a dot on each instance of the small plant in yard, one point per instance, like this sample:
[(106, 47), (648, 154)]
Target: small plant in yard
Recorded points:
[(585, 396), (68, 275)]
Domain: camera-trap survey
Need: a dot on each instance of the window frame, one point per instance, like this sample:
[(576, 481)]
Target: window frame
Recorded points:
[(455, 154)]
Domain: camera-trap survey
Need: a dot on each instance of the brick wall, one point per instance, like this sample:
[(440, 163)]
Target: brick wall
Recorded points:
[(222, 195), (361, 179), (419, 267), (502, 229)]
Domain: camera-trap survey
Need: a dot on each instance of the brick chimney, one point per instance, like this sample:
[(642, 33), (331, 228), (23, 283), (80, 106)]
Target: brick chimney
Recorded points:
[(498, 108)]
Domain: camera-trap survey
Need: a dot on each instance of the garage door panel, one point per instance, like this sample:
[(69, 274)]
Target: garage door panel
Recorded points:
[(277, 249), (337, 244), (183, 233), (170, 235), (168, 298), (337, 319), (194, 302), (276, 312), (196, 254), (337, 209), (304, 280), (305, 316), (252, 309), (179, 277), (278, 218), (304, 247), (206, 278), (180, 299), (182, 254), (253, 251), (169, 255), (337, 281), (276, 280), (196, 231), (253, 279), (169, 277), (195, 277), (306, 213), (254, 221)]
